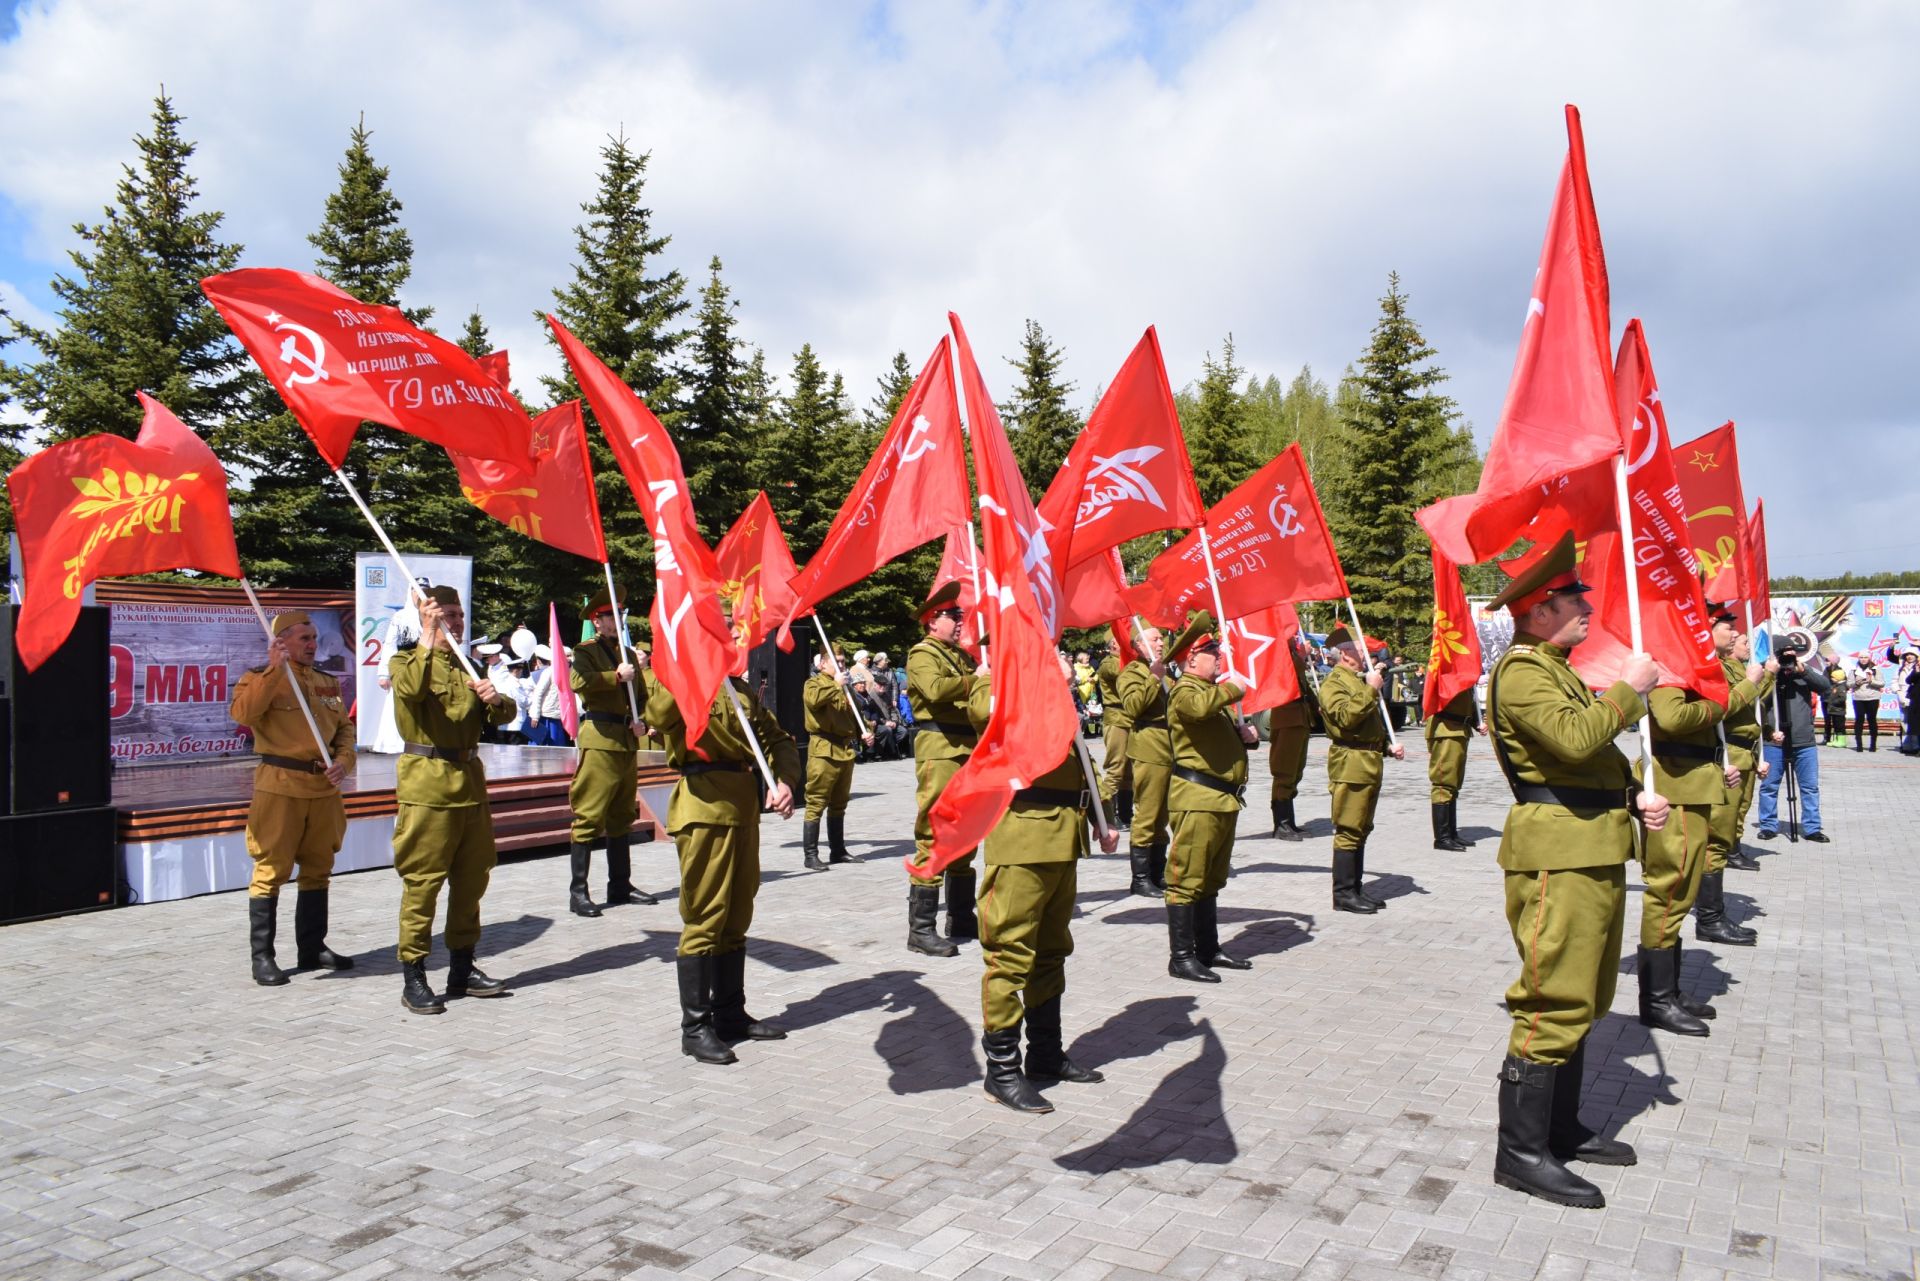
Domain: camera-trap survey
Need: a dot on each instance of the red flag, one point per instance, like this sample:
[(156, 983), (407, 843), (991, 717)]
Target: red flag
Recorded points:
[(1709, 469), (1453, 663), (1128, 472), (1094, 591), (1123, 649), (337, 362), (554, 502), (1559, 413), (686, 615), (1760, 587), (563, 673), (913, 490), (956, 565), (1263, 658), (756, 575), (1271, 546), (105, 507), (1033, 720)]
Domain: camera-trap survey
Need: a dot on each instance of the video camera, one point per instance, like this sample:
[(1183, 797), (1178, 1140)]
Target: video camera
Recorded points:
[(1791, 646)]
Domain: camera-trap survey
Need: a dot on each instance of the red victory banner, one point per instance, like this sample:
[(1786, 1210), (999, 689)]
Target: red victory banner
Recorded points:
[(554, 502), (338, 362), (756, 576), (1559, 412), (1709, 468), (105, 507), (1271, 546), (687, 622), (1033, 722), (1263, 658), (1454, 662), (1759, 594), (913, 490), (1095, 591), (1128, 472), (957, 565)]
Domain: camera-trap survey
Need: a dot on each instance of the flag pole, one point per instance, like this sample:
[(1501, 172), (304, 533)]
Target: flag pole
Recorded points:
[(299, 694), (1633, 597), (827, 647), (1093, 783), (459, 646), (1219, 610), (746, 727), (1366, 662), (626, 641)]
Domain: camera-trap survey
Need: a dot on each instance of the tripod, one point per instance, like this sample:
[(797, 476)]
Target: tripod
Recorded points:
[(1790, 784)]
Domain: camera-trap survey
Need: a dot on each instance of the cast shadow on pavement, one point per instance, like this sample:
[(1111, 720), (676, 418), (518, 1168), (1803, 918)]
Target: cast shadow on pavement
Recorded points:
[(1479, 833), (1321, 868), (1270, 934), (657, 945), (380, 961), (1391, 886), (927, 1047), (1184, 1119), (1614, 1087)]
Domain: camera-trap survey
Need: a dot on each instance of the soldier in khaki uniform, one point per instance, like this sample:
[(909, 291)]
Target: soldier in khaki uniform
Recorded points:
[(1143, 689), (940, 678), (1356, 740), (1745, 727), (1690, 771), (1564, 852), (1116, 774), (1289, 726), (1209, 777), (443, 833), (1449, 731), (1026, 914), (1742, 730), (606, 772), (297, 815), (831, 733), (714, 816)]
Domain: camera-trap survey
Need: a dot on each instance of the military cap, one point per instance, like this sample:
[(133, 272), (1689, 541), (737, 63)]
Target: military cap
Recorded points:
[(601, 603), (1552, 574), (487, 650), (1197, 633), (1340, 635), (1721, 611), (946, 596), (444, 596), (289, 618)]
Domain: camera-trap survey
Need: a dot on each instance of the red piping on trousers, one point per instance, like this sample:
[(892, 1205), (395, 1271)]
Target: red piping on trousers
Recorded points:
[(1533, 962)]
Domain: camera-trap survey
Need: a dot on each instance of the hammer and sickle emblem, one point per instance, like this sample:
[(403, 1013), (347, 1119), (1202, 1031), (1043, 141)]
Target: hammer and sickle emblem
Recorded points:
[(291, 352), (1285, 525)]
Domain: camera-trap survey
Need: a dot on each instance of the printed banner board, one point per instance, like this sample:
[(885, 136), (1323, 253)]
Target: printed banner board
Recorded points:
[(384, 619)]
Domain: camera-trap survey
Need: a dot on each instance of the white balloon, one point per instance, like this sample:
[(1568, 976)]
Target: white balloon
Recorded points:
[(522, 643)]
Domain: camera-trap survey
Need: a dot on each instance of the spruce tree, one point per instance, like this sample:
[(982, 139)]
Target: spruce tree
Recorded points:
[(716, 447), (132, 316), (1041, 427), (1405, 446), (1220, 434), (796, 462), (893, 389)]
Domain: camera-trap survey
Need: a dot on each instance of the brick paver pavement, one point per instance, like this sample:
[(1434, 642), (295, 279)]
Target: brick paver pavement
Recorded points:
[(1329, 1114)]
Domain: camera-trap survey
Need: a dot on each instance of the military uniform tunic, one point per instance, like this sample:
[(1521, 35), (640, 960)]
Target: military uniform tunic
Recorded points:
[(606, 776), (939, 680), (1356, 738), (831, 735), (1289, 726), (714, 814), (1115, 776), (1143, 696), (1564, 864), (1742, 725), (1687, 771), (443, 832), (1449, 731), (1027, 892), (297, 815), (1205, 741)]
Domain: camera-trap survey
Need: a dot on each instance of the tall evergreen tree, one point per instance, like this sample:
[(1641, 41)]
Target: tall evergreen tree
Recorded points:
[(1220, 434), (10, 432), (132, 317), (1405, 446), (715, 439), (1041, 426), (796, 463), (893, 389)]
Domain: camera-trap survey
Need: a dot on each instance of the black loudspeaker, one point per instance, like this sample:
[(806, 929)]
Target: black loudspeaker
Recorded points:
[(779, 678), (61, 751), (58, 862)]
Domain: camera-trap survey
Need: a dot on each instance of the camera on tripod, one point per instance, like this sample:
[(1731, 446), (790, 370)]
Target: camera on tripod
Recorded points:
[(1792, 645)]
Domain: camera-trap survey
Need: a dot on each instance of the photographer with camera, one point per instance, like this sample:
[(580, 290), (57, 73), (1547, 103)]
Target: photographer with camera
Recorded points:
[(1793, 758)]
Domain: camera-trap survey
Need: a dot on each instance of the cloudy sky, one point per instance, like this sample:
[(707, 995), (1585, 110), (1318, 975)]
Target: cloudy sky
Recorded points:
[(1221, 166)]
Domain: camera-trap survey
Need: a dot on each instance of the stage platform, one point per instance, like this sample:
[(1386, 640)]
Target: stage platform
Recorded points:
[(182, 828)]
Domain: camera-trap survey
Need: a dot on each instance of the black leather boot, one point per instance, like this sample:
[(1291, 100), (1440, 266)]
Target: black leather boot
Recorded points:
[(1284, 826), (1123, 806), (698, 1039), (620, 873), (415, 995), (1699, 1009), (962, 923), (810, 846), (1740, 861), (580, 859), (1710, 923), (1206, 937), (464, 978), (310, 934), (1141, 860), (1443, 837), (1360, 879), (1346, 884), (731, 1022), (1453, 822), (1659, 997), (1046, 1056), (923, 922), (1183, 961), (1006, 1083), (1567, 1137), (1524, 1160), (1157, 863), (837, 839), (262, 920)]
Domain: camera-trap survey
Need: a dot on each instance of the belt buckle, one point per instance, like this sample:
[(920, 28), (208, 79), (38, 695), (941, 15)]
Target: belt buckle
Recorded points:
[(1086, 800)]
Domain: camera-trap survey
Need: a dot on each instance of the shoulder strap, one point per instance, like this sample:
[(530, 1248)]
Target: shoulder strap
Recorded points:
[(1493, 722)]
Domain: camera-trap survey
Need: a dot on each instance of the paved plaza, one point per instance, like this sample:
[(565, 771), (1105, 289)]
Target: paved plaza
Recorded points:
[(1330, 1114)]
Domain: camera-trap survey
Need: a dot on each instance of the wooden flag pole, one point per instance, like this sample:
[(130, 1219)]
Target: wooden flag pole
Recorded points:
[(746, 727), (1633, 598), (827, 647), (299, 694), (1366, 663), (459, 645), (626, 641)]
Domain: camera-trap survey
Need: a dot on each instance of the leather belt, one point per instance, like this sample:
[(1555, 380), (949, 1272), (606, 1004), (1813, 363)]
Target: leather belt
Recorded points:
[(457, 755), (713, 767), (1685, 751), (835, 739), (1354, 745), (1573, 798), (293, 763), (1236, 790), (1159, 722), (605, 718), (1464, 722), (1080, 800), (959, 731)]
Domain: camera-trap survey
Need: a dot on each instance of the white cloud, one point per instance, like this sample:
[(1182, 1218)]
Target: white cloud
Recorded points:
[(1255, 168)]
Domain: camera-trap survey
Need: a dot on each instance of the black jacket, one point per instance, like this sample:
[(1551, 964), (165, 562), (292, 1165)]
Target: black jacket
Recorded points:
[(1791, 706)]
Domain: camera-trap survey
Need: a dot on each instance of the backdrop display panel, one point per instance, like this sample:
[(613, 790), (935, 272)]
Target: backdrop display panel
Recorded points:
[(384, 618)]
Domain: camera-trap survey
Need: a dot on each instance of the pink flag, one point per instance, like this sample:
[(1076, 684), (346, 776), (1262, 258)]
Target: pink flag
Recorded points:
[(563, 673)]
